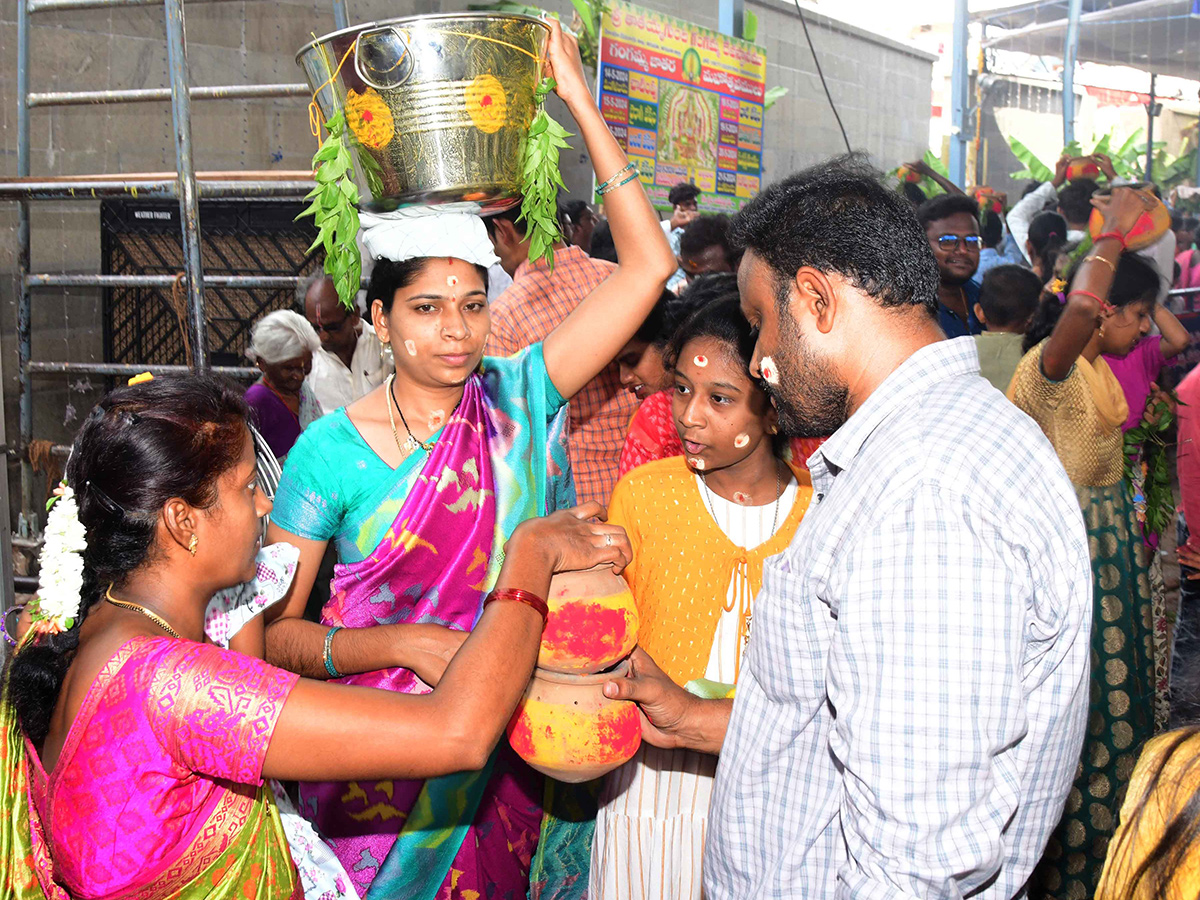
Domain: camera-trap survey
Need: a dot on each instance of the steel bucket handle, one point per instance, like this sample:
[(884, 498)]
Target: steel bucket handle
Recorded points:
[(405, 58)]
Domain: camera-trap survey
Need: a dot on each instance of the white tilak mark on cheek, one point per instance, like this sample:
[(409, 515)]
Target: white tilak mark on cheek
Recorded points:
[(741, 441), (411, 347), (696, 463), (769, 372)]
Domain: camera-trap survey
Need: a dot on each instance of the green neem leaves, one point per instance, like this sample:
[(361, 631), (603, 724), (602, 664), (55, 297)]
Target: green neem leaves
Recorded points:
[(334, 211), (541, 180)]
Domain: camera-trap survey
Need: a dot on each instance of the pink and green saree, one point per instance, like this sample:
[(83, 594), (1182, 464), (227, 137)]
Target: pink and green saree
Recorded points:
[(424, 543), (157, 793)]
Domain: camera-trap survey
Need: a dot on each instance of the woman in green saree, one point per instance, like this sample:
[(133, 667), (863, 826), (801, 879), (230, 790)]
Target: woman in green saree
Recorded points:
[(132, 755)]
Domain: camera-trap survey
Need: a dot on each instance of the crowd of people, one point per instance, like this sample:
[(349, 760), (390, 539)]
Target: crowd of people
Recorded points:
[(860, 460)]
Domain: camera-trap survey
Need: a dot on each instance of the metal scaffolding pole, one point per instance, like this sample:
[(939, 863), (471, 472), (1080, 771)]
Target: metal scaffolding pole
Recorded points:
[(24, 334), (55, 279), (340, 18), (145, 189), (1070, 52), (189, 208), (128, 370), (958, 97), (1151, 112), (150, 95)]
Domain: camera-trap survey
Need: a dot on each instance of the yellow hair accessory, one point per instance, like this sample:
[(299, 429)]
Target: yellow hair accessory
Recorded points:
[(140, 379)]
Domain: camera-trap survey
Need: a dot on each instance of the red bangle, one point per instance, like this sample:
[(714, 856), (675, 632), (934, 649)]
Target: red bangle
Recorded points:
[(1115, 235), (529, 599), (1105, 306)]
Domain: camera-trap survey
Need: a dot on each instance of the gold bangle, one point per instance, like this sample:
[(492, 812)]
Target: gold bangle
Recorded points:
[(1096, 256)]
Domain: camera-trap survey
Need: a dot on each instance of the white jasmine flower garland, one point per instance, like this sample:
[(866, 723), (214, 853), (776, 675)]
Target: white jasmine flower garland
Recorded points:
[(60, 581)]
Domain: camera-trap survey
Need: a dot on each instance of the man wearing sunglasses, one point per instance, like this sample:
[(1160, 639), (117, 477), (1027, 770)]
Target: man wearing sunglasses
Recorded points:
[(951, 223)]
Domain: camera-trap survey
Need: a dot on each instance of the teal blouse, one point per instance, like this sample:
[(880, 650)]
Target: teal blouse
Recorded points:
[(335, 487)]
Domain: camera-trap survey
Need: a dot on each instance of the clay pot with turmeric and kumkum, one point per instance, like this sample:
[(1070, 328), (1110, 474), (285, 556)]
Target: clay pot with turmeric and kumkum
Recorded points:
[(593, 622), (567, 729)]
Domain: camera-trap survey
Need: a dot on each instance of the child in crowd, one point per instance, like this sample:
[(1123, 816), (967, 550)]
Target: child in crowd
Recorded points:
[(1138, 370), (1006, 301)]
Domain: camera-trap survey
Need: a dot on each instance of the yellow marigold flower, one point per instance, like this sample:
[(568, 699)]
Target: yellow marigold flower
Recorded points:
[(487, 103), (369, 118)]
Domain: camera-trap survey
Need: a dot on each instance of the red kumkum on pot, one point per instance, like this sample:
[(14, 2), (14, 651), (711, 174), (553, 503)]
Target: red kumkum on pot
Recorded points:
[(593, 622), (567, 729)]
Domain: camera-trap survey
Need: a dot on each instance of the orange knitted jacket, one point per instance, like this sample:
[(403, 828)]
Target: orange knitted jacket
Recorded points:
[(683, 562)]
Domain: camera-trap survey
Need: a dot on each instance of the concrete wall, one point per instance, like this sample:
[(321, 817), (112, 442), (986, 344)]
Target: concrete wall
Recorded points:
[(882, 90)]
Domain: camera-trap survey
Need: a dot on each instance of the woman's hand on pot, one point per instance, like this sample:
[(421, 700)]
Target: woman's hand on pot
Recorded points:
[(1122, 208), (572, 542), (565, 66)]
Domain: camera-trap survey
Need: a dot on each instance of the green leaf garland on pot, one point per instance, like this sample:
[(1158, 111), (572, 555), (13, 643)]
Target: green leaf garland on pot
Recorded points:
[(334, 209), (541, 179)]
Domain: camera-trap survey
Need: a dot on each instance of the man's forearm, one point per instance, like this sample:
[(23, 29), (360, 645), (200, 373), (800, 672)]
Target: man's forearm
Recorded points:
[(703, 727)]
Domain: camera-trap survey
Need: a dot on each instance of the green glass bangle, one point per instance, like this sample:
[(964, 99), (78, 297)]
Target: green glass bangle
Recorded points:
[(615, 186), (329, 666), (607, 185)]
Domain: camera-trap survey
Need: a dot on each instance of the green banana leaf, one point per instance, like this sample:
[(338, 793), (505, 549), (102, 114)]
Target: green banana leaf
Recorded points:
[(1036, 168), (772, 96)]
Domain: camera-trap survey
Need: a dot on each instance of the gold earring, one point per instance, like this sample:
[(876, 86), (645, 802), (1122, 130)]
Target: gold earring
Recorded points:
[(193, 544)]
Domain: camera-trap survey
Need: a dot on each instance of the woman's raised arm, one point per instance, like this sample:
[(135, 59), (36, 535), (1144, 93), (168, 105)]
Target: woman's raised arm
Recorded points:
[(594, 333)]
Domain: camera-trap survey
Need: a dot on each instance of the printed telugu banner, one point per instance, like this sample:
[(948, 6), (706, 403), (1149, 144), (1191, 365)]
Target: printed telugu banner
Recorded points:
[(686, 104)]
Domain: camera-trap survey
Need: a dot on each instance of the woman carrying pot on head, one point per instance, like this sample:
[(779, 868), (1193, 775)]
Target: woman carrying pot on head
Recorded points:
[(1065, 385), (132, 754), (701, 526), (282, 345), (419, 484)]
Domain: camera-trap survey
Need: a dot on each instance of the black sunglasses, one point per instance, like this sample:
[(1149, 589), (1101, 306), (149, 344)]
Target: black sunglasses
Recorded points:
[(950, 241)]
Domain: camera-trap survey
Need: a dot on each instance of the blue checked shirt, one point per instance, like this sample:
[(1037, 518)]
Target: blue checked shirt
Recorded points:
[(911, 706)]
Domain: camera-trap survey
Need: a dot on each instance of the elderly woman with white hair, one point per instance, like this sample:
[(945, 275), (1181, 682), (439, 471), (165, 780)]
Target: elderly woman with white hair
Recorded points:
[(282, 345)]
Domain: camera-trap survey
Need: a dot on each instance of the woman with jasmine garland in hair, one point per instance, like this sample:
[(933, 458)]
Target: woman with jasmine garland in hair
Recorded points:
[(418, 484), (132, 754)]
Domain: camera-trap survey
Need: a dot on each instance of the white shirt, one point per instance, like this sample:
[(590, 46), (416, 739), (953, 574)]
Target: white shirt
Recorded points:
[(912, 702), (336, 386)]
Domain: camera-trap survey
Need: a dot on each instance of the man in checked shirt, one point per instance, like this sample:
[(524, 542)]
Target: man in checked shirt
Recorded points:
[(912, 701), (533, 306)]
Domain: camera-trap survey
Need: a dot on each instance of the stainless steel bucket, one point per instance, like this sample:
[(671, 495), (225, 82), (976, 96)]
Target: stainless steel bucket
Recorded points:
[(437, 107)]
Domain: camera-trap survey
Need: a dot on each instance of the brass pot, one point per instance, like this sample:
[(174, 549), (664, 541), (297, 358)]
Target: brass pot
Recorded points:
[(437, 107)]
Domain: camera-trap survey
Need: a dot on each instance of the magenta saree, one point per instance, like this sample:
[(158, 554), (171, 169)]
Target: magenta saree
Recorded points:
[(157, 792), (431, 547)]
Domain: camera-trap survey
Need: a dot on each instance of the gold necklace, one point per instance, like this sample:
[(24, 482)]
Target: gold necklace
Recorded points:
[(134, 607)]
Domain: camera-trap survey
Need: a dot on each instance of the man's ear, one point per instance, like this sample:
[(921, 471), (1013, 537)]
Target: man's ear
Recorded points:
[(814, 298)]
